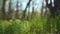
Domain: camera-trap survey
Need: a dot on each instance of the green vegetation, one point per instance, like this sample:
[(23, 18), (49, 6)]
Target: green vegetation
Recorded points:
[(34, 19), (38, 25)]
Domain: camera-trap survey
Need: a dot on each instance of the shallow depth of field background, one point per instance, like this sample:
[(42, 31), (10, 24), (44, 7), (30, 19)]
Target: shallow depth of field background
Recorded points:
[(29, 16)]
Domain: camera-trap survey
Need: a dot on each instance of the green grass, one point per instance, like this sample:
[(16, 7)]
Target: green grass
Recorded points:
[(37, 25)]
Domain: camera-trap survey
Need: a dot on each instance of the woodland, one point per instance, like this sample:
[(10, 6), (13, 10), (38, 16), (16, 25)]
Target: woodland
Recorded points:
[(17, 20)]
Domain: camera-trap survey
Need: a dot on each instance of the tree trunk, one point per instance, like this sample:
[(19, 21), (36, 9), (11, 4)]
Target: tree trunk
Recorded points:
[(57, 6), (42, 9), (28, 17), (17, 11), (24, 12), (32, 15), (9, 15), (3, 10)]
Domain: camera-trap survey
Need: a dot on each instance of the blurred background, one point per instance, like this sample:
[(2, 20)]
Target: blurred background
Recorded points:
[(29, 16)]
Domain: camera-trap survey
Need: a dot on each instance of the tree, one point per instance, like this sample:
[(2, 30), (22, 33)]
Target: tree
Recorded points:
[(32, 14), (57, 12), (54, 11), (0, 8), (46, 7), (48, 20), (0, 4), (3, 10), (42, 8), (24, 12), (28, 17), (17, 11), (57, 6), (9, 11)]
